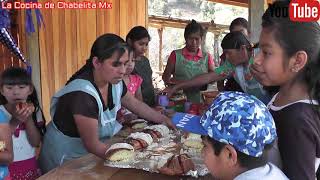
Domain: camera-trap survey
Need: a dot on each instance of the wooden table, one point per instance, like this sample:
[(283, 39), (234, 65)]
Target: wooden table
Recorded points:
[(91, 167)]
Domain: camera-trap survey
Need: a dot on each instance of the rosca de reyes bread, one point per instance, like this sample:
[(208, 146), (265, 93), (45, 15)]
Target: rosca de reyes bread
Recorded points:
[(139, 140), (157, 131), (177, 165), (120, 152), (138, 124), (192, 141)]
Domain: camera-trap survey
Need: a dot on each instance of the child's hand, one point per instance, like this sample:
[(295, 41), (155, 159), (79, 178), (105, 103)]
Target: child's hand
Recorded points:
[(168, 122), (24, 111)]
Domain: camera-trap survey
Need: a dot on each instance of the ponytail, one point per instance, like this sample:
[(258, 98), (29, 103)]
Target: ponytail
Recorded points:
[(312, 78), (316, 93), (315, 89), (33, 98), (85, 68)]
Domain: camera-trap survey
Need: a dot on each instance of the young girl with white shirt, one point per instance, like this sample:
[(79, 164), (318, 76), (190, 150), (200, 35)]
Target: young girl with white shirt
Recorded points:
[(20, 105)]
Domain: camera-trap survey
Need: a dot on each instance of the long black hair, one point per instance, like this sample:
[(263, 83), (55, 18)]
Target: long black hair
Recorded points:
[(297, 36), (236, 39), (239, 22), (19, 76), (103, 48), (137, 33)]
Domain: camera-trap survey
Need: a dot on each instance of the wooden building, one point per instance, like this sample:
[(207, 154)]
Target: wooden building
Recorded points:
[(62, 46)]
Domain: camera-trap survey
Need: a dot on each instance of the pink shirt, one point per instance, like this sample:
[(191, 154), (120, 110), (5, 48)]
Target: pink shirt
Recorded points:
[(135, 82), (189, 56), (24, 165)]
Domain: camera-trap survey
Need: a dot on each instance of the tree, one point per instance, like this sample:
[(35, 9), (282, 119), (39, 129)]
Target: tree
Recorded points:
[(207, 10), (158, 7)]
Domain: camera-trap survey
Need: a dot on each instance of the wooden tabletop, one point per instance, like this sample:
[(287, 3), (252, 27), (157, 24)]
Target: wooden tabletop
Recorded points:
[(91, 167)]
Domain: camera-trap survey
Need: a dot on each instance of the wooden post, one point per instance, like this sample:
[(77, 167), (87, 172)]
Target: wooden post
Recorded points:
[(34, 56), (216, 49), (203, 42), (160, 31), (32, 53), (256, 10)]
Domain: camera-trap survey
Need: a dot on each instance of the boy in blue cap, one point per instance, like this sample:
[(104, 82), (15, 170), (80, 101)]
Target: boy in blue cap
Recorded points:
[(238, 131)]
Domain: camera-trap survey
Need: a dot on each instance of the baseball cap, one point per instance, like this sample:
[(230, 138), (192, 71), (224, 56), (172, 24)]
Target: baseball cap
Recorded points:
[(234, 118)]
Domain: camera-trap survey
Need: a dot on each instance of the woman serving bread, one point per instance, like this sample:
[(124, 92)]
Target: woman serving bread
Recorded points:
[(84, 111)]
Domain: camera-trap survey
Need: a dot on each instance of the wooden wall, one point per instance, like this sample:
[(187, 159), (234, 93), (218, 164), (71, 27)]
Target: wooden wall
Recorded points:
[(7, 59), (66, 40)]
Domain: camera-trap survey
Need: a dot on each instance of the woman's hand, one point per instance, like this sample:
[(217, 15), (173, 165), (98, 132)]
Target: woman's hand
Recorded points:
[(88, 131), (174, 81), (167, 121), (144, 111)]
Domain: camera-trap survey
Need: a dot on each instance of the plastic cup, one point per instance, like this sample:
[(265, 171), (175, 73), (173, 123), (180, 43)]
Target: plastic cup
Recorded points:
[(187, 106), (163, 100)]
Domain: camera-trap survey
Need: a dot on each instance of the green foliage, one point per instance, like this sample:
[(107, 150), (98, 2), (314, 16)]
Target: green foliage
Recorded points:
[(158, 7), (178, 8), (207, 10), (200, 10)]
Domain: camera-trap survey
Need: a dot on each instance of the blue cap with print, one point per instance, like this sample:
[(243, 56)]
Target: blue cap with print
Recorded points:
[(234, 118)]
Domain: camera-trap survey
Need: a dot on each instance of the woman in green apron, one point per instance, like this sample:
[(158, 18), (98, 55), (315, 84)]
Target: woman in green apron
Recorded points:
[(188, 62), (239, 53), (84, 111)]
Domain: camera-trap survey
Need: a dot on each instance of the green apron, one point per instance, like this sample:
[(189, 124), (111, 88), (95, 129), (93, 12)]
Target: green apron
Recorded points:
[(187, 69)]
